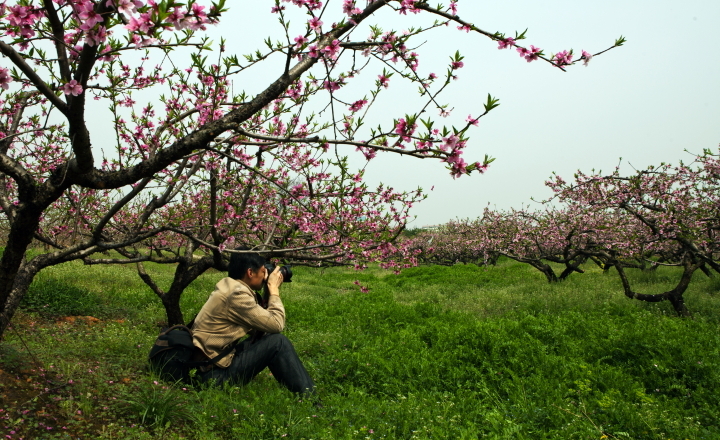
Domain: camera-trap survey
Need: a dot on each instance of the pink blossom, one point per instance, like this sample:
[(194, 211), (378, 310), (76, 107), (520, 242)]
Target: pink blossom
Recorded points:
[(127, 7), (315, 24), (195, 19), (300, 40), (201, 16), (457, 65), (389, 37), (87, 15), (383, 80), (404, 130), (450, 142), (563, 58), (472, 120), (369, 153), (331, 85), (400, 126), (408, 5), (141, 42), (72, 88), (23, 17), (313, 51), (276, 9), (586, 56), (311, 4), (358, 105), (5, 78), (96, 37), (331, 49), (108, 55), (350, 9), (142, 23), (506, 43), (363, 289), (458, 166), (413, 60), (176, 17), (423, 145), (529, 54), (295, 90)]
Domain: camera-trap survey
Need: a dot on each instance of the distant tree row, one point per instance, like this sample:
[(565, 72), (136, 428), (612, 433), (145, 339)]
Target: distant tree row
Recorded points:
[(663, 215)]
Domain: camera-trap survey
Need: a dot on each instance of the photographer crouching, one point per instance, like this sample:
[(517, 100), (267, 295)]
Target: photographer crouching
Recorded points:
[(234, 311)]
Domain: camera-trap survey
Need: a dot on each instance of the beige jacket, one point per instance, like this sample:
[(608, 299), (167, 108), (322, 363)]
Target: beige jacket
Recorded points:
[(230, 313)]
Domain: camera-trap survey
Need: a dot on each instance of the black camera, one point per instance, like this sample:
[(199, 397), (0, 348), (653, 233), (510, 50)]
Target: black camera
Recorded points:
[(286, 271)]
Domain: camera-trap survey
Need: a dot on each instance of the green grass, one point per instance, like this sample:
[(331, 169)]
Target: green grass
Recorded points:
[(436, 352)]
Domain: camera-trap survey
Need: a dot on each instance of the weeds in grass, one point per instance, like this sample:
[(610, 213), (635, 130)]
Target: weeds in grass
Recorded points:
[(456, 352), (159, 405), (713, 285), (55, 298)]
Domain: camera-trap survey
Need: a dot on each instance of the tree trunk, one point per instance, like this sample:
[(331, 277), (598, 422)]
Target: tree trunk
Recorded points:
[(546, 270), (675, 296), (573, 265), (678, 303), (23, 279), (706, 271), (602, 263), (171, 302), (537, 264), (186, 272), (11, 288)]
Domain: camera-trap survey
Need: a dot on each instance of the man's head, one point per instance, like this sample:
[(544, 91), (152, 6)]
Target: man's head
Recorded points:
[(247, 267)]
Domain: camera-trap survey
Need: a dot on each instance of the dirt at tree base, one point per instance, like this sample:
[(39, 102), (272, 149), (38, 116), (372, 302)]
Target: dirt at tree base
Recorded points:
[(36, 402)]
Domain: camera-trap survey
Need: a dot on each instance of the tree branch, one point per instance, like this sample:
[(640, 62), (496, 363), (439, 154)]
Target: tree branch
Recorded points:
[(34, 78), (59, 36), (205, 135)]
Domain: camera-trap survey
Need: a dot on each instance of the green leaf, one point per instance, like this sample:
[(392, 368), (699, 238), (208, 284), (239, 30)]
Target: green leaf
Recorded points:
[(491, 103)]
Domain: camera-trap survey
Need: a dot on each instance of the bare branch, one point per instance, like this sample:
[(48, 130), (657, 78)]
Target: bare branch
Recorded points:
[(29, 72)]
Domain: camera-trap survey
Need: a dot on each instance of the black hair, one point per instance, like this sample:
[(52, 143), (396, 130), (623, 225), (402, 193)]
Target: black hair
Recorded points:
[(240, 263)]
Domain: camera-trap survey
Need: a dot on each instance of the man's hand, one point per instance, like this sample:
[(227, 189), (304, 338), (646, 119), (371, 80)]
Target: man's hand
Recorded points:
[(274, 281)]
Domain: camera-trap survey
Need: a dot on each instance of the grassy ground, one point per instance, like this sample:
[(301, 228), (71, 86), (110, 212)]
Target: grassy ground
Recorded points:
[(433, 353)]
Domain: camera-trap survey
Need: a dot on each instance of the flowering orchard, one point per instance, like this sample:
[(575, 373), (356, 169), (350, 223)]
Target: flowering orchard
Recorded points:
[(537, 238), (194, 164), (676, 213), (457, 241), (661, 216)]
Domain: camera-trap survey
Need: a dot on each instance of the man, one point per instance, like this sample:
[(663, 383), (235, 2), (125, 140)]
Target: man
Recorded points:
[(234, 311)]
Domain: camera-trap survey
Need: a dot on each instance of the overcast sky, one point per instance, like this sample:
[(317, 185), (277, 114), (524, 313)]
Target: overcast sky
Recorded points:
[(646, 102)]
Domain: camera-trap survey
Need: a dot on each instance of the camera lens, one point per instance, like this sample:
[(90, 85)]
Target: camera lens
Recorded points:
[(286, 271)]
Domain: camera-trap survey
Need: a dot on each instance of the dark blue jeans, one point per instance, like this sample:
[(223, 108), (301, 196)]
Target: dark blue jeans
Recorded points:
[(273, 351)]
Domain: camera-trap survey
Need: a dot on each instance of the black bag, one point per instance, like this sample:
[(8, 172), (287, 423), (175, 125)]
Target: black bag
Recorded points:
[(171, 357)]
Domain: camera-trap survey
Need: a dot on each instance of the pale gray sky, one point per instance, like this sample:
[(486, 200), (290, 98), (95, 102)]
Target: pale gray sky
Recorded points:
[(646, 102)]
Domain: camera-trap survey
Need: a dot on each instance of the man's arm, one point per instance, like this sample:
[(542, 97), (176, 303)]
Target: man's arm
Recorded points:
[(245, 310)]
